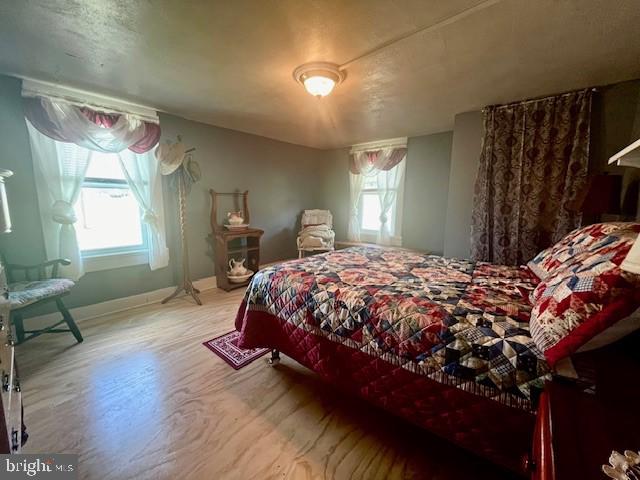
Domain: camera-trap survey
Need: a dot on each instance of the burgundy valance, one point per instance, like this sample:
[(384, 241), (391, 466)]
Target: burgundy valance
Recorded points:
[(383, 159)]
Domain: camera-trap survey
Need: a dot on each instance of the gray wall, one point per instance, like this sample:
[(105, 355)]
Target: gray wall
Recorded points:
[(425, 192), (282, 180), (425, 196), (335, 189), (465, 154), (615, 123)]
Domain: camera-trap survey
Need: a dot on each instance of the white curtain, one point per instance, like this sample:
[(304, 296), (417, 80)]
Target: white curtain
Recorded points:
[(65, 121), (59, 170), (142, 174), (356, 183), (389, 183)]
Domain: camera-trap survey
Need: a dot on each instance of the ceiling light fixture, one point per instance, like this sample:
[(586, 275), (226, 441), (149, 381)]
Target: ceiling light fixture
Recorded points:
[(319, 78)]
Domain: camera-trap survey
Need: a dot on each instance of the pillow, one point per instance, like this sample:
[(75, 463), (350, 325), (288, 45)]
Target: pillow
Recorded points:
[(587, 294), (578, 241)]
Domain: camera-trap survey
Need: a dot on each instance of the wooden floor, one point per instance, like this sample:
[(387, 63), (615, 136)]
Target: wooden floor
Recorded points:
[(142, 398)]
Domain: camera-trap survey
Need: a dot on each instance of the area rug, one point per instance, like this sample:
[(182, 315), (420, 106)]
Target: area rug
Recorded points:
[(226, 347)]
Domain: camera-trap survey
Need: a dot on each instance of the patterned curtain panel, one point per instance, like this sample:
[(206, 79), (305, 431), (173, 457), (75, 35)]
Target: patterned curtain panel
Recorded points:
[(533, 166)]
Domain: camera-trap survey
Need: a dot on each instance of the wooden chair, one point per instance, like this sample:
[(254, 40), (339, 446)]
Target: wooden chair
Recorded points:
[(31, 285)]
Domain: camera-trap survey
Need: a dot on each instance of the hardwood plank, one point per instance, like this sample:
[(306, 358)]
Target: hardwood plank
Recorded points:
[(142, 398)]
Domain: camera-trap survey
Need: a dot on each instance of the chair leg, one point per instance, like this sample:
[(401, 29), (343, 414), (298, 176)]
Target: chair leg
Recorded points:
[(16, 319), (69, 319)]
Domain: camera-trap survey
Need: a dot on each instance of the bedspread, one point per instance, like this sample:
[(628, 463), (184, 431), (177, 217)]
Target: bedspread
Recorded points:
[(457, 322)]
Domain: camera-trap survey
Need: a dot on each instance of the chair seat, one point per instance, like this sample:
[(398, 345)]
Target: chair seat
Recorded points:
[(22, 294)]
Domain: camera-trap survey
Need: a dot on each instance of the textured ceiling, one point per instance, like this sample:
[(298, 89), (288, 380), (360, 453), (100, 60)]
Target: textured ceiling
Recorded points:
[(230, 63)]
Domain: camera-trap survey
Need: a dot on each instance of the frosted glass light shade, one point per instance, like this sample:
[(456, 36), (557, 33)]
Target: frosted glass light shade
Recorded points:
[(319, 86), (319, 78), (632, 261)]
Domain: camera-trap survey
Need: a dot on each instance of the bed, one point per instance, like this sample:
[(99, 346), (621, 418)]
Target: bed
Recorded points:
[(443, 343)]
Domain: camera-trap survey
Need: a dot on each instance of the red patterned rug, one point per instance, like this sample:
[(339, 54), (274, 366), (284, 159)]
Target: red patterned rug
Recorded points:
[(226, 347)]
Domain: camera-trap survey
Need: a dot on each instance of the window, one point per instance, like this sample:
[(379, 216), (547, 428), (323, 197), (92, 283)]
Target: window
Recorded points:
[(109, 228), (374, 186)]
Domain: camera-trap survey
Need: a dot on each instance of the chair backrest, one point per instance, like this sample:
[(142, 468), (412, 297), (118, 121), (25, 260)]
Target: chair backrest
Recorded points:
[(317, 217)]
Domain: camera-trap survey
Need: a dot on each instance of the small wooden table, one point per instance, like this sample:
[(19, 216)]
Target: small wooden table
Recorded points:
[(234, 243), (247, 246)]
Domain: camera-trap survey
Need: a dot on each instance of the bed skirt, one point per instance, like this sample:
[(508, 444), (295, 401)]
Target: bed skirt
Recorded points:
[(483, 426)]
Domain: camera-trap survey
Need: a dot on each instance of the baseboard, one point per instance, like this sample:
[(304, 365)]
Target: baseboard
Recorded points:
[(117, 304)]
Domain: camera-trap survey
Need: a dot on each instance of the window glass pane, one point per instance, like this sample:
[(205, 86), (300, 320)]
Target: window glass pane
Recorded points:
[(370, 212), (371, 182), (107, 218), (105, 165)]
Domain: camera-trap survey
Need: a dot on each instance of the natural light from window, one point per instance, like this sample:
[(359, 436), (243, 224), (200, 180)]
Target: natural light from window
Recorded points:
[(370, 205), (108, 214)]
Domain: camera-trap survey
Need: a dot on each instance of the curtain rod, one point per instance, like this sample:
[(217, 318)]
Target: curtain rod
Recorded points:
[(539, 99), (84, 98)]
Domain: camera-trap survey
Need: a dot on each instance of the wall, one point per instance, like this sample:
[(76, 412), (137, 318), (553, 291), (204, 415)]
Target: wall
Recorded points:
[(425, 198), (281, 178), (615, 123), (335, 189), (465, 154), (425, 192)]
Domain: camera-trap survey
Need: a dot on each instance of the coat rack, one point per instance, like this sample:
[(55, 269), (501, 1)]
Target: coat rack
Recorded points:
[(185, 284)]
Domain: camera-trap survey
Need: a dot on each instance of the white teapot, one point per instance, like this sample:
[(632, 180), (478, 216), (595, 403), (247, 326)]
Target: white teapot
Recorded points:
[(235, 218), (237, 268)]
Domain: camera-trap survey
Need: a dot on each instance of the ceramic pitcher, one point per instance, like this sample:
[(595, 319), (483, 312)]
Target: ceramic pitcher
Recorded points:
[(236, 267)]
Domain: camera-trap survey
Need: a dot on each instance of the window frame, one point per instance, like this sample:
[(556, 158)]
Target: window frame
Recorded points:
[(114, 257)]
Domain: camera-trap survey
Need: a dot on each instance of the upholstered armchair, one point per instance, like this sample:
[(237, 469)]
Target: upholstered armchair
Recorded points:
[(31, 285)]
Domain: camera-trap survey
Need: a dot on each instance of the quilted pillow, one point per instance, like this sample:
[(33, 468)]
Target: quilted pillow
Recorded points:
[(579, 240), (588, 293)]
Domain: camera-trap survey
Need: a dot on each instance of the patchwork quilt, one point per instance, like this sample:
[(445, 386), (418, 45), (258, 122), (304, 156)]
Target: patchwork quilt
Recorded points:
[(457, 322)]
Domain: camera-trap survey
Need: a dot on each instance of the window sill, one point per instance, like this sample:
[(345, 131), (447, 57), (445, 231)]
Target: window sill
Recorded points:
[(110, 261), (369, 236)]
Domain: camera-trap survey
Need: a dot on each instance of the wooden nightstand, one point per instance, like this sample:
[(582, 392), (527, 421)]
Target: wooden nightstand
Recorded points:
[(576, 432)]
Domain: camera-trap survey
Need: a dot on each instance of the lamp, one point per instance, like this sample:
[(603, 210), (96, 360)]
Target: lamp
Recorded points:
[(319, 78), (5, 219)]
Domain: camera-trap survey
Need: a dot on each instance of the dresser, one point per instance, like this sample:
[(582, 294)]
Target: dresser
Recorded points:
[(11, 425)]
